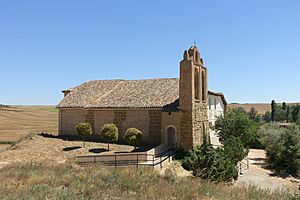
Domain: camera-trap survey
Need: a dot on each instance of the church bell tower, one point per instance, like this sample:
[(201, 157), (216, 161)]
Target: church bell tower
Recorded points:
[(193, 100)]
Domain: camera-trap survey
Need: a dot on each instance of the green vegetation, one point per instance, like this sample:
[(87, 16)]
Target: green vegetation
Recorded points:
[(236, 131), (84, 130), (109, 134), (8, 142), (282, 148), (35, 181), (219, 165), (237, 123), (283, 113), (133, 136)]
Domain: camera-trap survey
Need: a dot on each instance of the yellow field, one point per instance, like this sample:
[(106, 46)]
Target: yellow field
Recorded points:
[(18, 121), (261, 108)]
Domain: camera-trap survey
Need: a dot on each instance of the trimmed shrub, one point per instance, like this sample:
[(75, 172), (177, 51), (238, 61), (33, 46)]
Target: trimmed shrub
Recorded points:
[(133, 136), (109, 134), (84, 130)]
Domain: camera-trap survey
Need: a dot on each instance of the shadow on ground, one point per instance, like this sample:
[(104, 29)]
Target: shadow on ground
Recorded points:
[(98, 150), (71, 148), (280, 175)]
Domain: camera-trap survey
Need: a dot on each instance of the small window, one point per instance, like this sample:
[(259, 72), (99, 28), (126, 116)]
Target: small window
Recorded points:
[(209, 103)]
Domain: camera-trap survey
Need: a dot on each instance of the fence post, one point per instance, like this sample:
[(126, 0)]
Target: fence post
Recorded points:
[(115, 161), (160, 162), (153, 160), (240, 168), (247, 164), (137, 161)]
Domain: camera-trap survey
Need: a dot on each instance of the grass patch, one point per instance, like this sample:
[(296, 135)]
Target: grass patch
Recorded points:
[(8, 142), (35, 181)]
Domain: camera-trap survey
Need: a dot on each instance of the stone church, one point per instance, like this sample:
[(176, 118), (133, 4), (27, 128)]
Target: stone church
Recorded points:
[(168, 110)]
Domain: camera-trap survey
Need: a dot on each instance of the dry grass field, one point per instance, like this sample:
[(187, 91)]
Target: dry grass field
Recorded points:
[(18, 121), (261, 108)]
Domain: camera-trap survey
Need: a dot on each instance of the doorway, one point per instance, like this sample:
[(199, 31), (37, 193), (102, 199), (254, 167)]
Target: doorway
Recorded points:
[(171, 136)]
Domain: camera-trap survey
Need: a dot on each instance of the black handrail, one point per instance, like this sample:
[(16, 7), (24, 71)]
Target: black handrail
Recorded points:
[(141, 159)]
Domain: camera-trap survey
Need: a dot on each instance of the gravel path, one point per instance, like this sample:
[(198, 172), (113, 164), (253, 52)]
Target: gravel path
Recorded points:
[(263, 178)]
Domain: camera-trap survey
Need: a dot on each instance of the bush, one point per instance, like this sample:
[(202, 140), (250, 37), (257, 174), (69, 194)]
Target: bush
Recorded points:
[(212, 164), (84, 130), (109, 133), (282, 148), (133, 136)]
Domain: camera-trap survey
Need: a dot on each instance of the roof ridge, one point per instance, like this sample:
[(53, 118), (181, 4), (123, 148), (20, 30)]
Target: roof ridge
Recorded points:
[(133, 79)]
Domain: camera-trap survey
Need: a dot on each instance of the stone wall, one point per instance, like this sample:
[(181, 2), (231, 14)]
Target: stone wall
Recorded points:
[(170, 120), (146, 120), (102, 117), (118, 119), (155, 126), (69, 118), (90, 118), (200, 124)]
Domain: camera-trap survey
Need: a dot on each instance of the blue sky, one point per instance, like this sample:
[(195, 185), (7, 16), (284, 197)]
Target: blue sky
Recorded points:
[(251, 48)]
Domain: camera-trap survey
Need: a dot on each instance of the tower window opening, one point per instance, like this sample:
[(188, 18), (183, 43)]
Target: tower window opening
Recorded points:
[(203, 87), (196, 82)]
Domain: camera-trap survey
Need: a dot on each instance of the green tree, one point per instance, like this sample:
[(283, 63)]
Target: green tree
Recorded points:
[(267, 116), (284, 106), (109, 134), (133, 136), (273, 108), (237, 124), (84, 130), (295, 113), (253, 114), (287, 114)]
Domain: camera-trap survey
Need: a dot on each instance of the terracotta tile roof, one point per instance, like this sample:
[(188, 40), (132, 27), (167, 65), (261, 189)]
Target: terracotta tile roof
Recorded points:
[(219, 94), (148, 93)]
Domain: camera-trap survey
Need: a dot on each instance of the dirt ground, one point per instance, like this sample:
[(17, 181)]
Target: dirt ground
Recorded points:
[(260, 176), (18, 121), (54, 151)]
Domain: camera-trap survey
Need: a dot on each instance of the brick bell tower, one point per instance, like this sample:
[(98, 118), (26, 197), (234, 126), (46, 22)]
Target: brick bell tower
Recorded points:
[(193, 100)]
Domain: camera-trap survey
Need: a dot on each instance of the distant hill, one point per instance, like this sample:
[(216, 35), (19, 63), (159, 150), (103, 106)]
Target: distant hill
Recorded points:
[(261, 108)]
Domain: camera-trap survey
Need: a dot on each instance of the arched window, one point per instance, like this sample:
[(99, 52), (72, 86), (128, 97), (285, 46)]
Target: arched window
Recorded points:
[(203, 87), (196, 82)]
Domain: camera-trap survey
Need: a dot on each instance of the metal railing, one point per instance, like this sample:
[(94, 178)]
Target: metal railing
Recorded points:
[(128, 159), (244, 164)]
